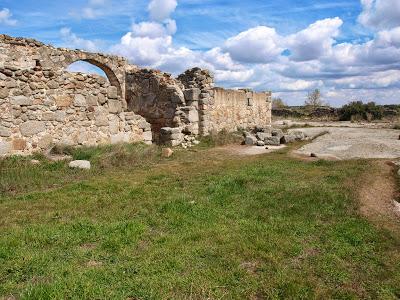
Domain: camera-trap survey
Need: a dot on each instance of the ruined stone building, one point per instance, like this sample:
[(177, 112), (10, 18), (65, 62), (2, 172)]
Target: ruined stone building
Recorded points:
[(42, 104)]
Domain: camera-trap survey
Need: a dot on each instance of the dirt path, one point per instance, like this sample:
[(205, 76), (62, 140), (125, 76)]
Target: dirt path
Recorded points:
[(377, 196)]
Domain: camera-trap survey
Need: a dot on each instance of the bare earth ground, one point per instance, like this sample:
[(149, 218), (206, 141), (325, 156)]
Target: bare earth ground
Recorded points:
[(378, 195), (348, 143)]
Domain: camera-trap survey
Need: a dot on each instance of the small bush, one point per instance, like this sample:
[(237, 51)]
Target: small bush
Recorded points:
[(357, 111)]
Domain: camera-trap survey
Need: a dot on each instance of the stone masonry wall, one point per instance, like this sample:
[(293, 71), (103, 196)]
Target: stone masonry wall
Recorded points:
[(157, 97), (221, 109), (42, 105), (235, 109), (23, 53), (39, 109)]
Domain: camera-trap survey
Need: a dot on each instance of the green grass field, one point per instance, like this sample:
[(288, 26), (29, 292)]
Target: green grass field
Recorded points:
[(201, 225)]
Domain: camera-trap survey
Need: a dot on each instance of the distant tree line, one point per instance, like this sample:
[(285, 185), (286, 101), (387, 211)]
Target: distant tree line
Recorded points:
[(357, 110), (353, 111)]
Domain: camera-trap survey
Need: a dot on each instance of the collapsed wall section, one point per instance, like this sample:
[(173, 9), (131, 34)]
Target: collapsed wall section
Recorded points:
[(221, 109), (166, 105)]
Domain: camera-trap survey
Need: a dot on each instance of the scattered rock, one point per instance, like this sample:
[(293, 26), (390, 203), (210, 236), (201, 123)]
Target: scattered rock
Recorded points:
[(251, 140), (287, 139), (262, 135), (313, 155), (167, 152), (277, 132), (272, 141), (80, 164), (298, 135), (260, 143)]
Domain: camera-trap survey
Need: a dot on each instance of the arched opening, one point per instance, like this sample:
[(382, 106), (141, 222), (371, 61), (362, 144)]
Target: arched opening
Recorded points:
[(91, 66)]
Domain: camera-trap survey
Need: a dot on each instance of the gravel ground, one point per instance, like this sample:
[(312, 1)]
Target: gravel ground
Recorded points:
[(348, 143)]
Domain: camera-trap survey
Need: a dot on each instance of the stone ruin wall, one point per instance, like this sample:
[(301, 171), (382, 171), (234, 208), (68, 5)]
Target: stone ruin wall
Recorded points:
[(235, 109), (221, 109), (157, 96), (41, 104)]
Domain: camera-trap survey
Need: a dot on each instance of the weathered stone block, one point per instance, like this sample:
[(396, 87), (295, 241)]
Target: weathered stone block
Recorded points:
[(272, 141), (80, 164), (251, 140), (21, 100), (287, 138), (52, 84), (262, 135), (167, 152), (19, 144), (114, 106), (112, 92), (79, 100), (31, 128), (4, 131), (101, 120), (193, 116), (63, 101), (60, 116), (92, 100), (277, 132), (192, 94), (119, 138), (147, 136), (114, 127), (5, 147), (102, 99), (48, 116), (45, 142), (260, 143), (4, 92)]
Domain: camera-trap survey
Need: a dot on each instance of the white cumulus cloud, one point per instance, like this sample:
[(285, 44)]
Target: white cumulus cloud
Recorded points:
[(161, 10), (380, 13), (314, 41), (257, 45), (6, 17), (73, 41)]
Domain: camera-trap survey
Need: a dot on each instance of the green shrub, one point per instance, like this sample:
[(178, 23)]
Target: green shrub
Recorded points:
[(357, 110)]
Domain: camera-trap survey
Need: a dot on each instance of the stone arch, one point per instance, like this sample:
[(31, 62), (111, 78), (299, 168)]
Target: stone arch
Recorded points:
[(114, 67), (112, 77)]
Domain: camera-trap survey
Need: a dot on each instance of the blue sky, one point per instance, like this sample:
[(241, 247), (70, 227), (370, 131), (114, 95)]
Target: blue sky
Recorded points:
[(348, 49)]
